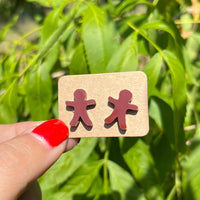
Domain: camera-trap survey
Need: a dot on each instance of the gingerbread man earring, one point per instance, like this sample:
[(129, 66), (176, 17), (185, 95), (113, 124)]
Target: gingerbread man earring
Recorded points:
[(80, 105), (122, 105)]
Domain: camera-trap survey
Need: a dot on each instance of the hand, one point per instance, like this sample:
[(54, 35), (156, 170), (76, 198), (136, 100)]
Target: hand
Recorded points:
[(26, 152)]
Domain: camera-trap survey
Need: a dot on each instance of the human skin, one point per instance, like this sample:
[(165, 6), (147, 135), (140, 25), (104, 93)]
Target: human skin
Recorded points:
[(25, 155)]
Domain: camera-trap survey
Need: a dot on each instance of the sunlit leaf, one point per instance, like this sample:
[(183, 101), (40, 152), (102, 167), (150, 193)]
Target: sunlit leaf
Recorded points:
[(129, 4), (126, 57), (50, 3), (162, 114), (41, 2), (123, 184), (7, 115), (189, 68), (140, 161), (9, 105), (80, 182), (98, 38), (179, 96), (11, 98), (152, 70), (66, 166), (161, 25), (50, 24), (192, 45), (78, 66), (39, 93), (96, 189), (191, 176), (6, 28)]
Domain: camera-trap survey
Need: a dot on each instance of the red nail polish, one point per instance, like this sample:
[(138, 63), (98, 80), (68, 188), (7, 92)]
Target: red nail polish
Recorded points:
[(53, 131)]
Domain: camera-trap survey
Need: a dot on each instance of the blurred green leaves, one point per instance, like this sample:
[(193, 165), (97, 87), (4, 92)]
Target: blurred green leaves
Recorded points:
[(39, 93), (126, 57), (98, 38), (81, 37), (122, 184), (59, 173), (142, 166)]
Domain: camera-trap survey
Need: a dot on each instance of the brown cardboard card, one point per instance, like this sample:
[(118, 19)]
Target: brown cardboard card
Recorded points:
[(104, 105)]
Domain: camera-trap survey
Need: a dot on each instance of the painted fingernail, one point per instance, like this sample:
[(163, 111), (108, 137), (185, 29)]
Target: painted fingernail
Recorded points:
[(53, 131)]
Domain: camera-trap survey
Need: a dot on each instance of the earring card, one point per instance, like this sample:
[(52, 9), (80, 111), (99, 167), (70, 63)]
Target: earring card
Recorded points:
[(104, 105)]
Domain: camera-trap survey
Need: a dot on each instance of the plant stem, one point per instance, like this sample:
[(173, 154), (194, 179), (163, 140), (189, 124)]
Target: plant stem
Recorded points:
[(190, 21), (27, 34), (105, 172), (155, 2), (178, 178), (146, 37), (105, 168), (172, 193), (8, 89), (53, 39)]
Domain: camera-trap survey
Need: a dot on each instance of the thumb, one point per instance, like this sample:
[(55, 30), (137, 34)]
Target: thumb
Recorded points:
[(26, 157)]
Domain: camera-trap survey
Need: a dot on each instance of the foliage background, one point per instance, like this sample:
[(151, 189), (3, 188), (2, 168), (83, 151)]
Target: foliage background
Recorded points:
[(43, 40)]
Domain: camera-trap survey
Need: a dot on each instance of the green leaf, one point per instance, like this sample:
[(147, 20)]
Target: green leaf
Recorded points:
[(162, 114), (50, 25), (70, 39), (192, 45), (152, 70), (10, 66), (78, 63), (52, 56), (66, 166), (56, 36), (123, 184), (189, 68), (7, 115), (55, 110), (60, 3), (9, 105), (191, 175), (141, 164), (7, 27), (11, 98), (167, 8), (52, 3), (41, 2), (81, 181), (98, 38), (129, 4), (52, 40), (164, 157), (161, 25), (126, 58), (177, 73), (39, 93), (96, 189), (133, 19)]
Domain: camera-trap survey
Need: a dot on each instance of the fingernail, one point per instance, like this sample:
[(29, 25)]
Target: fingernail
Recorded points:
[(53, 131)]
